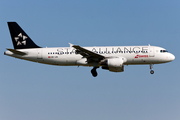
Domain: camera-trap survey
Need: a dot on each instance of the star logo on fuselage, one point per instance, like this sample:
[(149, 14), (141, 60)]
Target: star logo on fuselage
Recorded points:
[(21, 39)]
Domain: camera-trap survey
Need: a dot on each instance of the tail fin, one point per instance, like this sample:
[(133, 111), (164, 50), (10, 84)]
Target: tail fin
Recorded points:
[(19, 38)]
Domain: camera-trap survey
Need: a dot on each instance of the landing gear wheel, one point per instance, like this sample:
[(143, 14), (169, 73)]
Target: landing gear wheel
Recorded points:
[(94, 72), (152, 71), (151, 67)]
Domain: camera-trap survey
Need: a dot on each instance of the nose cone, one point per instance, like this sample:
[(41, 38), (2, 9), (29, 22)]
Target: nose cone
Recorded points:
[(171, 57)]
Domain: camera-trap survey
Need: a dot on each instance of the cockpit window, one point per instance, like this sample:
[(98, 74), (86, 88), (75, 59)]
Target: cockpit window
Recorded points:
[(163, 51)]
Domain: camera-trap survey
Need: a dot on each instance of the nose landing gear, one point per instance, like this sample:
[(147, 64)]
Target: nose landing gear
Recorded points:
[(151, 67)]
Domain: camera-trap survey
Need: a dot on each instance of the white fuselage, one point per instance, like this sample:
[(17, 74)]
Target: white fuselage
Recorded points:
[(66, 56), (112, 58)]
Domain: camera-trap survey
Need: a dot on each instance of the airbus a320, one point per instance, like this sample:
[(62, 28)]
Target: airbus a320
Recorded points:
[(112, 58)]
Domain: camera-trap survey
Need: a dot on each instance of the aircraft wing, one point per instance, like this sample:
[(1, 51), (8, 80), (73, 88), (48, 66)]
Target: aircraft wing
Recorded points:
[(87, 53)]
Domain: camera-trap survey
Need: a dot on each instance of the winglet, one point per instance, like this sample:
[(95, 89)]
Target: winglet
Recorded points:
[(70, 44)]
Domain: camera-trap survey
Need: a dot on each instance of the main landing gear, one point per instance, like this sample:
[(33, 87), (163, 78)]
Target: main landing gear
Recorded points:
[(94, 72), (151, 67)]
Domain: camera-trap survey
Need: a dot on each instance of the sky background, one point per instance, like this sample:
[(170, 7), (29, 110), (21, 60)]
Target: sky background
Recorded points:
[(32, 91)]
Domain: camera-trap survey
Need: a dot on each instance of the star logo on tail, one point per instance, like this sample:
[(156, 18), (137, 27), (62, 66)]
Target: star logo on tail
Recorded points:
[(21, 39)]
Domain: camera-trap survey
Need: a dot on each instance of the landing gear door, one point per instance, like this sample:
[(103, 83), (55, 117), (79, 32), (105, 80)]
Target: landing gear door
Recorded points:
[(151, 51)]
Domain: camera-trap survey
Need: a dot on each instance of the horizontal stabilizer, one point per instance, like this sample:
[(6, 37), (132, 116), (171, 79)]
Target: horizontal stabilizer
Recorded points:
[(17, 52)]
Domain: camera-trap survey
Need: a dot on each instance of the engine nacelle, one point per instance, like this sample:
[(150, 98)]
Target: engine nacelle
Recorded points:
[(114, 64)]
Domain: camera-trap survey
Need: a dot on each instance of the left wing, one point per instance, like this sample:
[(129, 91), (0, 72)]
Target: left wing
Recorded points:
[(91, 56)]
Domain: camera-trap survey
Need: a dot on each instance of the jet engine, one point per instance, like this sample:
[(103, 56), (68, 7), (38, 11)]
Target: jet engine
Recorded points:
[(113, 64)]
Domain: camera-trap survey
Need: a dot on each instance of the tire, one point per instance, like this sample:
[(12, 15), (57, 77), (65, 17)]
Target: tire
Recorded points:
[(94, 73), (152, 71)]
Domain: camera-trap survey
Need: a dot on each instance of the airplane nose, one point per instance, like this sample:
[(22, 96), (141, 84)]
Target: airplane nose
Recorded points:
[(172, 57)]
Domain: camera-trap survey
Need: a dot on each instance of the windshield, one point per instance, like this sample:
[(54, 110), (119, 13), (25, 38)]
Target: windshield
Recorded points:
[(163, 51)]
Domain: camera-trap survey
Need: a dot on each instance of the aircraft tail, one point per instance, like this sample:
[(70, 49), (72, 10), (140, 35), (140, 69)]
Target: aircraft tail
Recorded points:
[(19, 38)]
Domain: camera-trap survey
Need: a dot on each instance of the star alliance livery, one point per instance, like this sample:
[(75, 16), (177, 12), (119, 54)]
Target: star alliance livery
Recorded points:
[(112, 58)]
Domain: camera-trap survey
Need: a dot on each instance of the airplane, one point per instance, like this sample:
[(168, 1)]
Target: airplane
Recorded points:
[(112, 58)]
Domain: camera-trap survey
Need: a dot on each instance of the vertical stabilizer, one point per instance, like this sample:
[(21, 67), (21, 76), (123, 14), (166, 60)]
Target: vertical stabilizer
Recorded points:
[(19, 38)]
